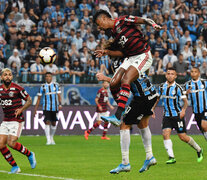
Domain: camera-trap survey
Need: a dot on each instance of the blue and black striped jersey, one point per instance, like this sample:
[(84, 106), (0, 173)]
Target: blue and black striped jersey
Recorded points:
[(171, 96), (50, 92), (198, 94), (142, 87)]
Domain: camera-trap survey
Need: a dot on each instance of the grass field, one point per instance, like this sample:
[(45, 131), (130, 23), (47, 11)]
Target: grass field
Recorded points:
[(75, 158)]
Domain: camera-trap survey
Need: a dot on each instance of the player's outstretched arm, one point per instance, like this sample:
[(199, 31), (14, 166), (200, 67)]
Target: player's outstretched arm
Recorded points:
[(26, 105), (103, 52), (148, 21)]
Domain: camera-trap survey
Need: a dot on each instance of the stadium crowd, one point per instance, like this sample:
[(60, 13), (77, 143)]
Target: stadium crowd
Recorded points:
[(67, 26)]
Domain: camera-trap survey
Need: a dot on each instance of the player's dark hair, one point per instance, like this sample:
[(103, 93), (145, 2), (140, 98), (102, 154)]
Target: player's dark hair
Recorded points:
[(171, 68), (100, 12), (48, 73), (196, 68)]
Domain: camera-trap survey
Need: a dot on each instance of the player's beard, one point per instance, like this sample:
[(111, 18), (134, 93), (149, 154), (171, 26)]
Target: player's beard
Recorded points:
[(7, 83)]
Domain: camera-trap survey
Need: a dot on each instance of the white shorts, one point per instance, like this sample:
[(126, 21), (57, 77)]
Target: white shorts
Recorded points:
[(98, 118), (13, 128), (141, 62)]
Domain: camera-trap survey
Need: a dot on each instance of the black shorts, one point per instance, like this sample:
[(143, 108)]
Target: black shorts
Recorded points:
[(50, 116), (199, 117), (174, 122), (137, 109)]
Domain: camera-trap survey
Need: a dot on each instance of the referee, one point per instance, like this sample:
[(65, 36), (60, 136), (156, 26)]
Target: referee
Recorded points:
[(50, 92)]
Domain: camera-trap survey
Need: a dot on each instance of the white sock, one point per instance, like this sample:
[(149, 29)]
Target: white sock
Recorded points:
[(194, 145), (47, 132), (52, 131), (146, 139), (168, 146), (205, 135), (125, 142)]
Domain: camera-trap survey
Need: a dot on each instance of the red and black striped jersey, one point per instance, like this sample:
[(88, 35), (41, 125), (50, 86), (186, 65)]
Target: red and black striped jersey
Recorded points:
[(11, 100), (102, 96), (127, 35)]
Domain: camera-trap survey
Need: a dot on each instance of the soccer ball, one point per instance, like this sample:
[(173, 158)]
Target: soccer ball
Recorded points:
[(47, 55)]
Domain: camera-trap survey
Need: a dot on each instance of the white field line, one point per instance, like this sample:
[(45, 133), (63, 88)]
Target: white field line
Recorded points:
[(38, 175)]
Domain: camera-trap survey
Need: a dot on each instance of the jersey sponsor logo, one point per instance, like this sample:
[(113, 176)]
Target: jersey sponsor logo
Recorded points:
[(11, 94), (124, 94), (140, 117), (129, 20), (12, 88), (49, 93), (152, 97), (1, 89), (198, 90), (123, 41), (170, 97), (7, 102)]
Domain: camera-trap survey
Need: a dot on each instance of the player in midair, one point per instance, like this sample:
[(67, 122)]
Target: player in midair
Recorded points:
[(134, 47), (11, 96), (102, 102)]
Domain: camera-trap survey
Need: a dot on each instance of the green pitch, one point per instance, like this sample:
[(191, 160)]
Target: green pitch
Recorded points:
[(75, 158)]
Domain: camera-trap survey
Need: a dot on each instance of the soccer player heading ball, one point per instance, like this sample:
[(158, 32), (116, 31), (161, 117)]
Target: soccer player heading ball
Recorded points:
[(135, 49)]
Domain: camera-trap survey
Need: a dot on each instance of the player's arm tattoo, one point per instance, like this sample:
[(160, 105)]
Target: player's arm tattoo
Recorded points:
[(27, 103)]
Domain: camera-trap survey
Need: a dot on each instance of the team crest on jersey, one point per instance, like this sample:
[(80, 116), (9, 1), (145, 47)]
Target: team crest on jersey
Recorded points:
[(11, 94), (118, 30), (54, 88), (202, 86), (173, 92)]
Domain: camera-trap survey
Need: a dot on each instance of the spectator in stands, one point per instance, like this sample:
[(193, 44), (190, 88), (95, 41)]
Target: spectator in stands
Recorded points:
[(67, 27), (169, 58), (14, 58), (203, 70), (83, 31), (160, 46), (186, 53), (77, 71), (37, 71), (193, 30), (102, 5), (30, 58), (157, 64), (91, 72), (113, 12), (49, 9), (78, 40), (52, 68), (26, 21), (185, 38), (181, 68), (204, 55), (184, 22), (22, 50), (204, 31), (48, 37), (74, 20), (56, 13), (85, 56), (65, 72), (173, 41), (91, 43), (69, 7), (34, 17), (15, 71), (73, 52), (199, 48), (34, 36), (24, 73), (2, 59), (84, 6), (194, 58)]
